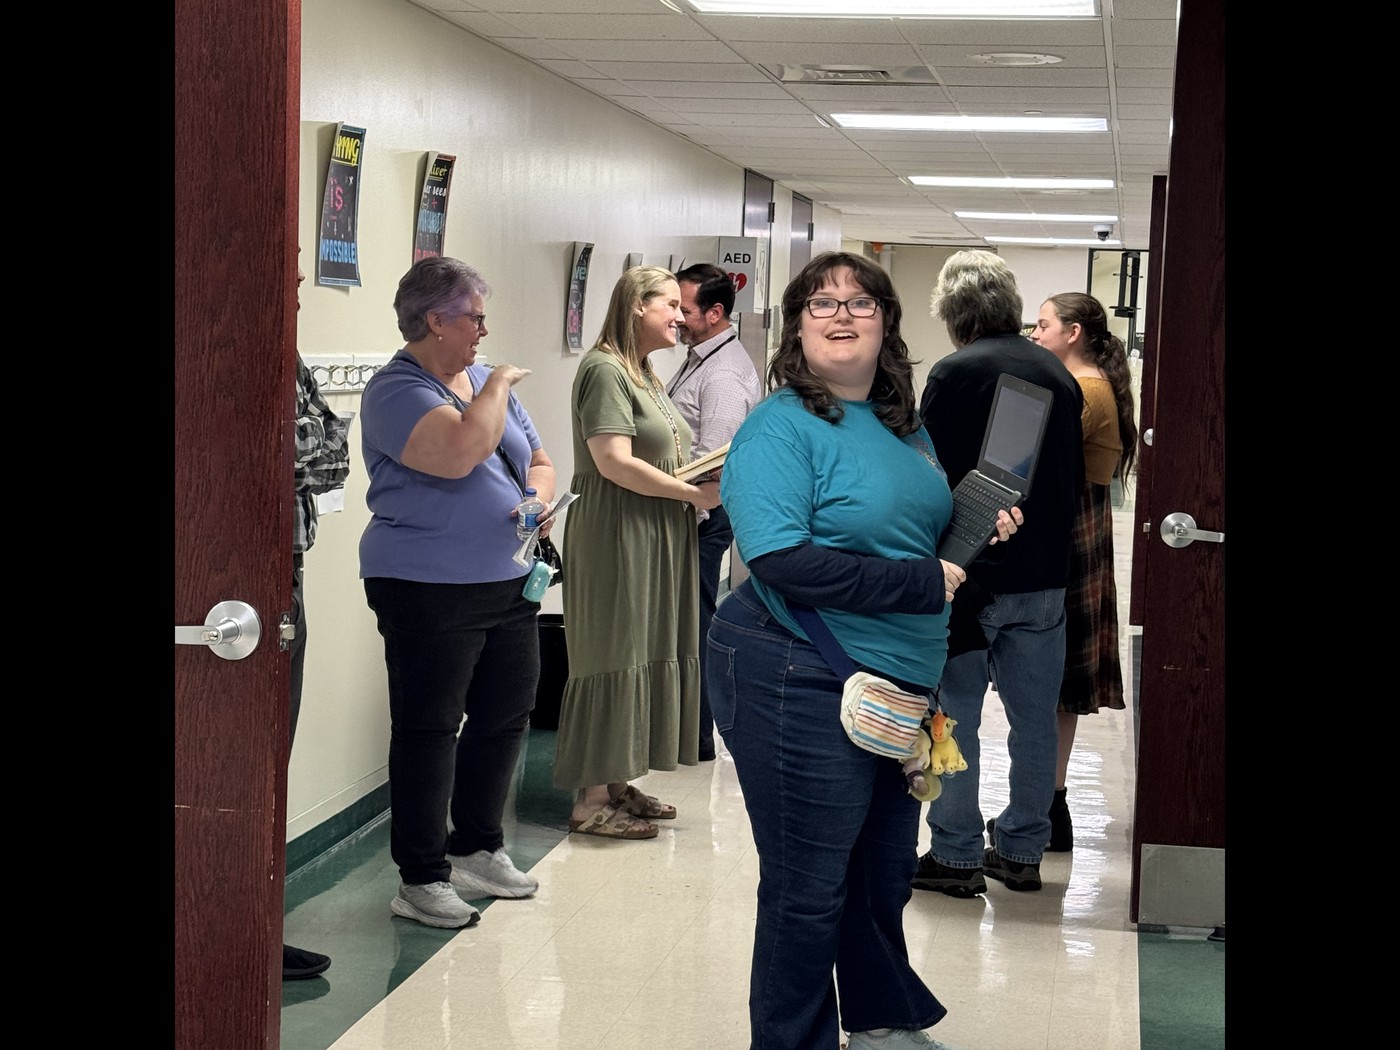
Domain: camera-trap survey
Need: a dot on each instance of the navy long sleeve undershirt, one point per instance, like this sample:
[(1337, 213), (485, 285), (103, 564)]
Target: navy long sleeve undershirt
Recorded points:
[(859, 583)]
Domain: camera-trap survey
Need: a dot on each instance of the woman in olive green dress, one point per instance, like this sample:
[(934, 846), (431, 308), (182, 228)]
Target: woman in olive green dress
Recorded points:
[(631, 594)]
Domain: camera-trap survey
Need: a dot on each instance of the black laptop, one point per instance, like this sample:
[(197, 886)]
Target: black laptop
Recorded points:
[(1010, 450)]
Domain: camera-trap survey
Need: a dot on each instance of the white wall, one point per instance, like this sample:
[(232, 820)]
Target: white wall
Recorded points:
[(540, 164), (914, 270), (1043, 272)]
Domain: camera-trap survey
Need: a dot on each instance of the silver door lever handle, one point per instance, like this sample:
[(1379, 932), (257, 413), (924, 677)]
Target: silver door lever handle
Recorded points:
[(232, 630), (1179, 530)]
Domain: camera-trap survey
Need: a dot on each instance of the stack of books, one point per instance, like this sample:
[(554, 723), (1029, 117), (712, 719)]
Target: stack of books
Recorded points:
[(698, 470)]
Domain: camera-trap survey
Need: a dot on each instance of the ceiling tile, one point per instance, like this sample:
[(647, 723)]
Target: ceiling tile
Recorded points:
[(710, 80)]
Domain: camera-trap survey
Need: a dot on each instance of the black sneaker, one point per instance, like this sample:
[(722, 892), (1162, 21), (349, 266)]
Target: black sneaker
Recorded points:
[(955, 882), (1017, 876), (298, 964)]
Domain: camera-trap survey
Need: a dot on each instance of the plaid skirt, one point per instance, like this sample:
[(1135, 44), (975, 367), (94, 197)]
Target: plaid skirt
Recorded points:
[(1093, 670)]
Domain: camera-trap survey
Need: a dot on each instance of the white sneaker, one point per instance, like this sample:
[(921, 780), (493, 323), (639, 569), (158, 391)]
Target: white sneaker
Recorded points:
[(483, 874), (434, 904), (895, 1039)]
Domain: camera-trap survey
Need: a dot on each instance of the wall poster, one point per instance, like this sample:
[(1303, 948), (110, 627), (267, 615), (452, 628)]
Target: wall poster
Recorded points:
[(432, 207), (578, 288), (742, 259), (337, 255)]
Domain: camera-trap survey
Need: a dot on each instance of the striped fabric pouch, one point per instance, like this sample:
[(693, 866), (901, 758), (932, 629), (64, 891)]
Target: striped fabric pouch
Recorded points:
[(880, 717)]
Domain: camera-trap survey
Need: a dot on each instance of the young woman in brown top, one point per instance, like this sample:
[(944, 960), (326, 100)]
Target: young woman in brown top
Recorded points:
[(1074, 327)]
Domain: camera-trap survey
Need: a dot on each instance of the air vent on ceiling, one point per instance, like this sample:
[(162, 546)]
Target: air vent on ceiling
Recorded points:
[(849, 75)]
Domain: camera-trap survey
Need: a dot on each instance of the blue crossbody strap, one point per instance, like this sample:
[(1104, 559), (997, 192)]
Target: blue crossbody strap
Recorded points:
[(811, 621)]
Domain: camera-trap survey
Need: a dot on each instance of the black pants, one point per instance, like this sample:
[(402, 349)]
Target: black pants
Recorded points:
[(297, 648), (468, 649), (716, 535)]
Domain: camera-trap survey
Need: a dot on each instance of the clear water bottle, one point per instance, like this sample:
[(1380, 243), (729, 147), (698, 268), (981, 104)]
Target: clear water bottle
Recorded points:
[(527, 515)]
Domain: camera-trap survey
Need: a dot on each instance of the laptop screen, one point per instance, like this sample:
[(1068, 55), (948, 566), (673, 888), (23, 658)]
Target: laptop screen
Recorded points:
[(1018, 419)]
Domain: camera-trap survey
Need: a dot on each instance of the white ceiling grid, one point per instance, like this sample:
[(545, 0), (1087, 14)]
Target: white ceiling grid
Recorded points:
[(721, 83)]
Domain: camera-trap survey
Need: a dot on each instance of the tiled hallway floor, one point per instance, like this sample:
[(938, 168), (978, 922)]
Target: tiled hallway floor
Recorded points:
[(642, 945)]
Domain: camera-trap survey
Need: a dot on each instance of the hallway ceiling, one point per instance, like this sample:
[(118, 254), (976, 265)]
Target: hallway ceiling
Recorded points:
[(752, 90)]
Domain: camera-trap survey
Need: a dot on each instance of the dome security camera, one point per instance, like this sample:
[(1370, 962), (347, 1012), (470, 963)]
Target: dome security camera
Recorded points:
[(1103, 230)]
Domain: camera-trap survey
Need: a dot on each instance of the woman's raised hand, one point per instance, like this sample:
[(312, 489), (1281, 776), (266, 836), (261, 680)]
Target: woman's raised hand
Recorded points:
[(511, 374)]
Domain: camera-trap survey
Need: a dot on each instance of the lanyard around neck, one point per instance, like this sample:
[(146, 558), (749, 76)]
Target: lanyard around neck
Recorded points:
[(684, 375)]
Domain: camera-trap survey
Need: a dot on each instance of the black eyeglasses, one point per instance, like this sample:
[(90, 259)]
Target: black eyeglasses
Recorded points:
[(480, 319), (860, 306)]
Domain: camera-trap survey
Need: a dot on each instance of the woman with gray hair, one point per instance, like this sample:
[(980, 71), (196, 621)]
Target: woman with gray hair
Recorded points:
[(976, 295), (1009, 615), (632, 593), (449, 449)]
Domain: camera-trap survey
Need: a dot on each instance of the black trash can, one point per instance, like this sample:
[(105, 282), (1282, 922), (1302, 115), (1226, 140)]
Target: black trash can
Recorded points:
[(554, 672)]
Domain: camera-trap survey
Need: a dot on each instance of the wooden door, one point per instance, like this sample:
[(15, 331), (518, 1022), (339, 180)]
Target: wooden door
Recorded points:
[(237, 88), (1181, 756)]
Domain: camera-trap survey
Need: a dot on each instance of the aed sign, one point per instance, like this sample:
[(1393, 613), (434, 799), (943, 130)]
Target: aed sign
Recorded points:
[(742, 258)]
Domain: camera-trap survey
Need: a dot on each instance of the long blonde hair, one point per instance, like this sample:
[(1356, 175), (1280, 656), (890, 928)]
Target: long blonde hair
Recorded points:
[(618, 337)]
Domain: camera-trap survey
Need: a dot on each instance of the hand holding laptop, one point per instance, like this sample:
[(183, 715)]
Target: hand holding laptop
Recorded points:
[(1010, 449), (955, 575), (1007, 524)]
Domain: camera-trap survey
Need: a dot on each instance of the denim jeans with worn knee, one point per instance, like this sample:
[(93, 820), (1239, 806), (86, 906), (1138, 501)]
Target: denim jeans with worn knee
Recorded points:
[(1026, 635), (837, 838)]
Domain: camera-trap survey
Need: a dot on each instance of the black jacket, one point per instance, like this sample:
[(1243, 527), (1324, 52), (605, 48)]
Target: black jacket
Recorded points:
[(955, 405)]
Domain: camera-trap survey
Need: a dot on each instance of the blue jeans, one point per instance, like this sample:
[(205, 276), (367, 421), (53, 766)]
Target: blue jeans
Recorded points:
[(837, 838), (1026, 633), (716, 534)]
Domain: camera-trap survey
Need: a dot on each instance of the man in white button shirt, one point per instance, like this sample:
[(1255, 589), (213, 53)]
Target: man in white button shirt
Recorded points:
[(713, 390)]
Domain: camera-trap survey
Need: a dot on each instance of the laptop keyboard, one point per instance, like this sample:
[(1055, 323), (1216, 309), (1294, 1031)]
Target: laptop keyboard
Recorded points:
[(975, 514)]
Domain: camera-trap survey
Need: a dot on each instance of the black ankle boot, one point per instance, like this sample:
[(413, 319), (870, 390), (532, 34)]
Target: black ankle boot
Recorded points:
[(1061, 829)]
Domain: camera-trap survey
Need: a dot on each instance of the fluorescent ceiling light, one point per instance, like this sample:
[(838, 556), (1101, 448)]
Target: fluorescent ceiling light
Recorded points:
[(967, 9), (980, 182), (1030, 216), (1094, 241), (924, 122)]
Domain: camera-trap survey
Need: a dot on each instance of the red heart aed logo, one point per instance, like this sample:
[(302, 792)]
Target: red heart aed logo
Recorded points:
[(739, 280)]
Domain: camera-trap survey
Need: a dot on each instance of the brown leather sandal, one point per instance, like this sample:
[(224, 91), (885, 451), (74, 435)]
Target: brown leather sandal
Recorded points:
[(640, 804), (611, 822)]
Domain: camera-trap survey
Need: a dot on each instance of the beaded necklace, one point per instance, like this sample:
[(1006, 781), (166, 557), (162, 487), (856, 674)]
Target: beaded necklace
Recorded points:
[(653, 389)]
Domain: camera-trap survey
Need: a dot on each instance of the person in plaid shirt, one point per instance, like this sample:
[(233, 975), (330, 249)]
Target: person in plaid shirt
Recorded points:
[(321, 465)]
